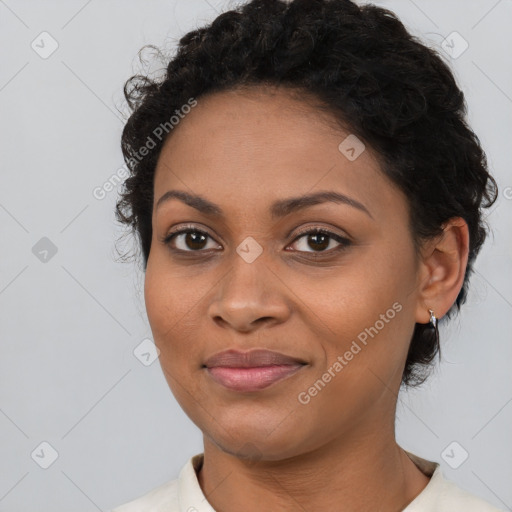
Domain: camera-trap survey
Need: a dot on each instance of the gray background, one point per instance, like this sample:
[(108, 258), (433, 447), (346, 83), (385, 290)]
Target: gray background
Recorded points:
[(70, 321)]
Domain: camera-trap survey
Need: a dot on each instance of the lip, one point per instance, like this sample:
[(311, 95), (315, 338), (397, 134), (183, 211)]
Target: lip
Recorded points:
[(250, 359), (253, 370)]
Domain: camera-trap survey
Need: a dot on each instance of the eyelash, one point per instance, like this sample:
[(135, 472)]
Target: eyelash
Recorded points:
[(343, 241)]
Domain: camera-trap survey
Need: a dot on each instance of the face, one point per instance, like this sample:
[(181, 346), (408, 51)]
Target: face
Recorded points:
[(254, 272)]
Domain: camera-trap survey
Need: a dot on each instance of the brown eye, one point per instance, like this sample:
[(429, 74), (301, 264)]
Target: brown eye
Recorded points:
[(189, 240), (321, 240)]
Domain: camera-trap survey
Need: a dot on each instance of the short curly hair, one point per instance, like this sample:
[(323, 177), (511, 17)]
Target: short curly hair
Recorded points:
[(363, 67)]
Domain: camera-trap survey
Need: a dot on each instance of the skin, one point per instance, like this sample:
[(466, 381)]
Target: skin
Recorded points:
[(265, 450)]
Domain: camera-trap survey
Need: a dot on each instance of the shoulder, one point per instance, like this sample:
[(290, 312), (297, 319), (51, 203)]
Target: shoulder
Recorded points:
[(453, 498), (170, 496), (457, 498), (442, 495), (160, 499)]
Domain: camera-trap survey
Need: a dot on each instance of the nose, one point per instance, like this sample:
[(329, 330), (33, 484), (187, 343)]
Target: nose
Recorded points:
[(249, 296)]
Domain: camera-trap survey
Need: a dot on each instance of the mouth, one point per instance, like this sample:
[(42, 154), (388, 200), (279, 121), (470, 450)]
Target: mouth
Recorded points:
[(251, 371)]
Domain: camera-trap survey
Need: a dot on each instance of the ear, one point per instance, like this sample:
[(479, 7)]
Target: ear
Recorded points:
[(442, 269)]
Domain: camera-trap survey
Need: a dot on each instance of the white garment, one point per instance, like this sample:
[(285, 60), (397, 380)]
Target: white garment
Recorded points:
[(185, 494)]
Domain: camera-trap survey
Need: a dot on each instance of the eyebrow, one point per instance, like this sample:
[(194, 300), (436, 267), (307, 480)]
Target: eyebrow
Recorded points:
[(280, 208)]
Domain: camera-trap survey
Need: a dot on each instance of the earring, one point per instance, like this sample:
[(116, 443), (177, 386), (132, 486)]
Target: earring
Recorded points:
[(433, 319), (433, 324)]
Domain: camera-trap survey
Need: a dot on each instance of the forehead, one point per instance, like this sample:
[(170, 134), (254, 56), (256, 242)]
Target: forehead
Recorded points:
[(254, 146)]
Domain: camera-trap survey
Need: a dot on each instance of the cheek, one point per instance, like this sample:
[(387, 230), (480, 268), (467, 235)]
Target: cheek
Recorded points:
[(171, 308), (367, 304), (166, 306), (176, 313), (158, 299)]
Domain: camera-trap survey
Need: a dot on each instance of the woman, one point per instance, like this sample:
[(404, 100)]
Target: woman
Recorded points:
[(307, 196)]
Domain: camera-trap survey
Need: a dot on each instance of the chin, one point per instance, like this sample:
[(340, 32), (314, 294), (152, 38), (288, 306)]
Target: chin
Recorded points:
[(253, 444)]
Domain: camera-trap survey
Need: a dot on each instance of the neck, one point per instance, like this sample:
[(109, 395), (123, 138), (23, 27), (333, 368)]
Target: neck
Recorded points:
[(364, 472)]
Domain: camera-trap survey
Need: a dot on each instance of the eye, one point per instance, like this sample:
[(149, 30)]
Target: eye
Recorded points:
[(320, 239), (189, 239)]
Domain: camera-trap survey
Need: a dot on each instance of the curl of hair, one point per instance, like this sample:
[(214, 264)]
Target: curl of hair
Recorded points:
[(360, 65)]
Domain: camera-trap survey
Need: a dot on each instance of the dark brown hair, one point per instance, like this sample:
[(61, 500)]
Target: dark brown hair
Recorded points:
[(396, 94)]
